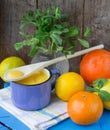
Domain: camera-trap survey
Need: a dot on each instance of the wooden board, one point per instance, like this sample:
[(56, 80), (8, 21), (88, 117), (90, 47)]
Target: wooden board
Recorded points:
[(83, 13), (10, 14), (97, 17)]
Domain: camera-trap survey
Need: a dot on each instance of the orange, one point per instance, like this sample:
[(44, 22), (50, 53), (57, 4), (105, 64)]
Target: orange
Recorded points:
[(85, 108), (10, 63), (94, 65), (68, 84)]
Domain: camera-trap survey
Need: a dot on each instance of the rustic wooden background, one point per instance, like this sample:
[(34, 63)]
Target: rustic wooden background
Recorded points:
[(84, 13)]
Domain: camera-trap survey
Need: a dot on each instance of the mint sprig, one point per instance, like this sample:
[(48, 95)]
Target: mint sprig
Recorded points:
[(97, 87), (100, 82), (52, 32)]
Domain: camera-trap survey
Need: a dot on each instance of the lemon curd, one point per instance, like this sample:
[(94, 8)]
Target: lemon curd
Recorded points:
[(36, 78), (15, 74)]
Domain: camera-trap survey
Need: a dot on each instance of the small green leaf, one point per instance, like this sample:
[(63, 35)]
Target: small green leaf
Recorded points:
[(33, 51), (18, 46), (91, 89), (73, 31), (83, 42), (59, 49), (56, 31), (87, 32), (29, 42), (53, 47), (104, 95), (56, 39), (23, 25), (100, 82), (25, 35), (43, 49)]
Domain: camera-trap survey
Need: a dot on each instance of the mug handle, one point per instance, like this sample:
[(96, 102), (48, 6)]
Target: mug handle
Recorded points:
[(55, 74)]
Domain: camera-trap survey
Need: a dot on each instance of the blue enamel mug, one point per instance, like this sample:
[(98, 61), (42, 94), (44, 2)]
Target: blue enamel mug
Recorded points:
[(34, 97)]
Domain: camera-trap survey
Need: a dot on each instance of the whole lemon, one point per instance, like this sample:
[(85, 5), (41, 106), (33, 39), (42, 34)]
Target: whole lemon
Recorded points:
[(10, 63), (68, 84)]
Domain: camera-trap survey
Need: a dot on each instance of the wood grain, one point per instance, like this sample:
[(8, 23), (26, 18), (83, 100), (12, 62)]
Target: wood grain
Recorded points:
[(97, 17), (83, 13), (10, 14)]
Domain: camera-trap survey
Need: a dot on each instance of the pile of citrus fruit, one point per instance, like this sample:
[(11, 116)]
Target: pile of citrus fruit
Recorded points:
[(87, 93)]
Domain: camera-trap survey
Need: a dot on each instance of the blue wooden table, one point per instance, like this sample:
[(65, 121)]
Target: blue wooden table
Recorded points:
[(14, 124)]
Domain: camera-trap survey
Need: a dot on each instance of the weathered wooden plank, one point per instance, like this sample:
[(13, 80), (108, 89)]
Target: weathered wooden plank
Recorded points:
[(84, 13), (97, 16), (10, 13), (75, 10)]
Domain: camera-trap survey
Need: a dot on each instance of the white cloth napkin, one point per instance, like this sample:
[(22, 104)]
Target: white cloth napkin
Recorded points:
[(42, 119)]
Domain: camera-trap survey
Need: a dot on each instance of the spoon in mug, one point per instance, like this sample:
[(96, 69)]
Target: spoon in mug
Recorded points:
[(27, 70)]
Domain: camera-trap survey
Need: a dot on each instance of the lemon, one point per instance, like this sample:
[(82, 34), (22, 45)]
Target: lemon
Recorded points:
[(9, 63), (68, 84)]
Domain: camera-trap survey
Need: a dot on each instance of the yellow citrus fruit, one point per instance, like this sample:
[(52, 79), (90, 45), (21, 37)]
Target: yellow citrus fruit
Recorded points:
[(105, 87), (9, 63), (68, 84), (106, 105)]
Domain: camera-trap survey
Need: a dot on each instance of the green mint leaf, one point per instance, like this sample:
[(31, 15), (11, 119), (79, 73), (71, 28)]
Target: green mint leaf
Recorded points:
[(53, 47), (57, 12), (65, 30), (30, 42), (43, 49), (87, 32), (100, 82), (59, 31), (83, 42), (33, 51), (27, 18), (73, 31), (18, 46), (56, 31), (64, 25), (91, 89), (23, 25), (104, 95), (42, 36), (59, 49), (51, 32), (25, 35), (56, 39)]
